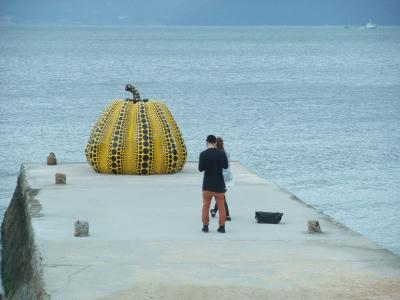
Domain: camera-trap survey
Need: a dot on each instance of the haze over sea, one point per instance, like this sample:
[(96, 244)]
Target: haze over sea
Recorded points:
[(315, 110)]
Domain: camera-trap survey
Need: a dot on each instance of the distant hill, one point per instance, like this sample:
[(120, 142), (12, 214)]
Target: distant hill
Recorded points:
[(289, 12), (200, 12)]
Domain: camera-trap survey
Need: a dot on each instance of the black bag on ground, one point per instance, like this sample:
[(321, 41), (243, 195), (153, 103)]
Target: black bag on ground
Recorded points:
[(268, 217)]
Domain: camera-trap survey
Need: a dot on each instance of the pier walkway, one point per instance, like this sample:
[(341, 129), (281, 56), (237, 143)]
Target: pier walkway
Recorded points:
[(146, 242)]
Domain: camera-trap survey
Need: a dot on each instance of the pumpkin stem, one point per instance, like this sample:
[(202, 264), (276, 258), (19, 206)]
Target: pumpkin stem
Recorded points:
[(135, 93)]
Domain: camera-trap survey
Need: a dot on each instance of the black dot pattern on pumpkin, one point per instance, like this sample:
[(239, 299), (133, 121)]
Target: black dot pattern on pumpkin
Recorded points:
[(168, 142), (127, 128), (180, 149), (118, 142), (93, 147), (145, 141)]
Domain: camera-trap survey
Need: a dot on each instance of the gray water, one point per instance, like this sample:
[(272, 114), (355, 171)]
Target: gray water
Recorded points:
[(314, 109)]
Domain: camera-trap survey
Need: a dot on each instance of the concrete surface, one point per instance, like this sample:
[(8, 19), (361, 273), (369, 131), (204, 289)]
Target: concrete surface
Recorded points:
[(146, 242)]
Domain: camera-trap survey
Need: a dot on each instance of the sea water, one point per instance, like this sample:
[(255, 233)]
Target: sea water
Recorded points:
[(315, 110)]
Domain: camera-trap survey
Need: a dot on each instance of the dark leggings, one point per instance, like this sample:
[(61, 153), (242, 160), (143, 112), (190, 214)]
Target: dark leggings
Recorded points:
[(226, 207)]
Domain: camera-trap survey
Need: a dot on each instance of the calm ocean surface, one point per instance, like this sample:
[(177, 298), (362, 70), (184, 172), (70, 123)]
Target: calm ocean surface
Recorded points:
[(315, 110)]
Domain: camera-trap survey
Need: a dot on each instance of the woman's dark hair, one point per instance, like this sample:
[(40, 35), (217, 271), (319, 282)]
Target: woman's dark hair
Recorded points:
[(220, 143)]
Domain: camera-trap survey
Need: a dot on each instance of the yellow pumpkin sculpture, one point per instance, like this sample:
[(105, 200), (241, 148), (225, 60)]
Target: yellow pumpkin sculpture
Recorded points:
[(135, 136)]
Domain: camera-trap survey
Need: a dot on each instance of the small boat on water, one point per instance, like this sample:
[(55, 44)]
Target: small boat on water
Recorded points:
[(370, 25)]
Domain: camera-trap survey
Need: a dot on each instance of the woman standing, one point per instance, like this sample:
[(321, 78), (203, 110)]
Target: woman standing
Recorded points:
[(228, 178)]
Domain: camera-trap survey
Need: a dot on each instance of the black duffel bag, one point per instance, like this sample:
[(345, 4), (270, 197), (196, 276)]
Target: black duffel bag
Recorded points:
[(268, 217)]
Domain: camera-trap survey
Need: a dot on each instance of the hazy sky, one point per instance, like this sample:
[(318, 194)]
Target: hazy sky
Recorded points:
[(200, 12)]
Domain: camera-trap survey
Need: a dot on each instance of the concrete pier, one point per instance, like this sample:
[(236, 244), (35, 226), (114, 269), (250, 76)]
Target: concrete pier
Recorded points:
[(146, 242)]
